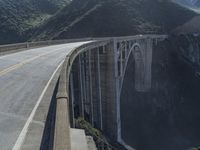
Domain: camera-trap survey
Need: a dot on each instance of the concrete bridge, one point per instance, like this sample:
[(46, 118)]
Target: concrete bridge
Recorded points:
[(48, 85), (98, 74)]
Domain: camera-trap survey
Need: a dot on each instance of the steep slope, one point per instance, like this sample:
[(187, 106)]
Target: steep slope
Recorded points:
[(192, 26), (113, 18), (66, 18), (19, 16)]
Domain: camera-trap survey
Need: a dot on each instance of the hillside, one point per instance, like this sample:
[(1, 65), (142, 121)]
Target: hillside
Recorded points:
[(91, 18), (192, 26), (16, 17)]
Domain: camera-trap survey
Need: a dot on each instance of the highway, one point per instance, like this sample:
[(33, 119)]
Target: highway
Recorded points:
[(24, 79)]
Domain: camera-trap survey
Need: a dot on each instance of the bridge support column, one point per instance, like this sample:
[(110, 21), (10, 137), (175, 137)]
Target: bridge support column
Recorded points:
[(72, 100), (83, 83), (118, 121), (148, 63), (81, 88), (90, 89), (99, 88)]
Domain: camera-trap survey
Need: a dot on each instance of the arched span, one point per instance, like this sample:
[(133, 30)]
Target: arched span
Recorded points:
[(138, 56), (136, 61)]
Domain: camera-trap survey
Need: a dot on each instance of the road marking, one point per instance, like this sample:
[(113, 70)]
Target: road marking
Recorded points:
[(20, 117), (24, 131), (16, 66)]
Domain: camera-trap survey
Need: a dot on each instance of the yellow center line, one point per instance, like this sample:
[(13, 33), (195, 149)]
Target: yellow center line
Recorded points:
[(16, 66)]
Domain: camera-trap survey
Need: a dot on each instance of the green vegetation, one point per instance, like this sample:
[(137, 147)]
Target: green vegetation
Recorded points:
[(95, 133), (195, 148), (82, 124), (36, 21)]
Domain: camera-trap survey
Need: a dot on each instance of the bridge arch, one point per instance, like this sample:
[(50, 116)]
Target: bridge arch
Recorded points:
[(138, 55)]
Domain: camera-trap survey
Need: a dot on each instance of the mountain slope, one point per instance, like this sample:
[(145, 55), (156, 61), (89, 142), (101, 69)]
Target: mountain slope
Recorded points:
[(192, 26), (19, 16), (113, 18)]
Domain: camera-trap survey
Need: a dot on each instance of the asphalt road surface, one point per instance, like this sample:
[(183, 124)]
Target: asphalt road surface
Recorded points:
[(23, 79)]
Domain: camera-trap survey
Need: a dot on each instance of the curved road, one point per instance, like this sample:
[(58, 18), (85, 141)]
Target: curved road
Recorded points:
[(24, 77)]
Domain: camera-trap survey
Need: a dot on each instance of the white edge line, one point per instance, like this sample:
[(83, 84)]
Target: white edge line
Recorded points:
[(24, 131)]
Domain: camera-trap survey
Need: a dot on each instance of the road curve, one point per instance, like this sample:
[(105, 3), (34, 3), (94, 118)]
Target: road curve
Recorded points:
[(23, 78)]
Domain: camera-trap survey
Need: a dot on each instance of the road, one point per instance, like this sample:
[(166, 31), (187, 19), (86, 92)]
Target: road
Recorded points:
[(24, 77)]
